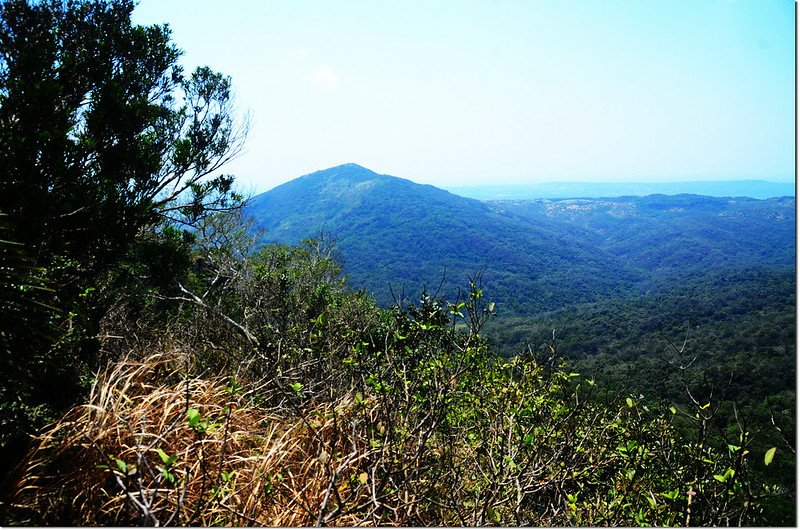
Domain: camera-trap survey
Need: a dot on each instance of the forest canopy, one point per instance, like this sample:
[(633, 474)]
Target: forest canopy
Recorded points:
[(165, 367)]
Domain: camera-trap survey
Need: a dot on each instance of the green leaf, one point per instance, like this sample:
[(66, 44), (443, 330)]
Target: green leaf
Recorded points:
[(513, 465), (165, 458), (166, 474), (629, 401), (652, 501), (194, 417), (296, 387), (769, 455), (121, 465), (672, 495)]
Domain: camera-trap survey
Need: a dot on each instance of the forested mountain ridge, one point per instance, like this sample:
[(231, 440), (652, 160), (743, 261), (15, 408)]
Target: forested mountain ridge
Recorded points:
[(324, 198), (738, 322), (538, 255), (393, 231), (676, 234), (163, 367)]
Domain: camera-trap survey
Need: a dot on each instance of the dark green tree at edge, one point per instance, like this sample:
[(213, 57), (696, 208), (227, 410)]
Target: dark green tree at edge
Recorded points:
[(104, 143)]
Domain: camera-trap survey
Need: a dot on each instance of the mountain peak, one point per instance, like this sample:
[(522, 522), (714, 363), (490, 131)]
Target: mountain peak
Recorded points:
[(351, 166), (331, 198), (349, 171)]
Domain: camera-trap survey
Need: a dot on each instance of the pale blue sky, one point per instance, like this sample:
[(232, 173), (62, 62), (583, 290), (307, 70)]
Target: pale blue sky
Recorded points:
[(459, 92)]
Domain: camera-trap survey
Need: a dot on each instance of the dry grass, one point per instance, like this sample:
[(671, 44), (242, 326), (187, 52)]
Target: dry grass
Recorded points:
[(153, 447), (238, 465)]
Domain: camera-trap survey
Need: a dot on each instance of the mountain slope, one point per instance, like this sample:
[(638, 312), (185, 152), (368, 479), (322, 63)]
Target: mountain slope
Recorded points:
[(674, 236), (393, 231), (538, 255)]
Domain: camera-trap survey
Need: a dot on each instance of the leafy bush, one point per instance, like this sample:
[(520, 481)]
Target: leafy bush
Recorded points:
[(400, 417)]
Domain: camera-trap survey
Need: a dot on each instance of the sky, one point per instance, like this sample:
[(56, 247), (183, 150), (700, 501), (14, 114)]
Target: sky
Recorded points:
[(475, 92)]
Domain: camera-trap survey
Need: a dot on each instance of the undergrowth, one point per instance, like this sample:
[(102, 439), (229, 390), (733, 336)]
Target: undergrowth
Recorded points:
[(289, 401)]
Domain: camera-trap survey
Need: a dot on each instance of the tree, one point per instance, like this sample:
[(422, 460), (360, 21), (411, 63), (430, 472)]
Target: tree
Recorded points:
[(104, 142), (101, 133)]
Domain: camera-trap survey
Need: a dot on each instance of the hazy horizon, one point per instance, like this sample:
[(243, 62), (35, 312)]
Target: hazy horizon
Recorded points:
[(753, 188), (503, 91)]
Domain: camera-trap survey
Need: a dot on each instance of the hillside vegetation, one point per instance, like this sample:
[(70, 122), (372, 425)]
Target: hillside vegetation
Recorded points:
[(734, 332), (539, 255), (164, 365), (674, 237), (284, 399), (735, 322), (396, 236)]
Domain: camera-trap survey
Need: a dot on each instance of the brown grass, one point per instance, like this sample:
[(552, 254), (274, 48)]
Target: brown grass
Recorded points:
[(249, 467)]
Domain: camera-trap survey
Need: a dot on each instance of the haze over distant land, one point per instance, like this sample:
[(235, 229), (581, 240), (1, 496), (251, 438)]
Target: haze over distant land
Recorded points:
[(756, 189)]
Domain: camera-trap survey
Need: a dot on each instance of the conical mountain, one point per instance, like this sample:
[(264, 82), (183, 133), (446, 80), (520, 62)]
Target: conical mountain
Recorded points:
[(391, 231)]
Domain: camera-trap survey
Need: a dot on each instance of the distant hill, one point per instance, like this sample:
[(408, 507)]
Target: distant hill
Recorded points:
[(673, 236), (538, 255), (755, 189), (393, 231)]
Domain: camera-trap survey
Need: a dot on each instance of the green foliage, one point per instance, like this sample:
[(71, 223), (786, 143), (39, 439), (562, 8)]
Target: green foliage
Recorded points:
[(397, 237), (104, 143), (674, 236), (539, 255), (123, 136), (739, 322), (732, 332), (199, 423), (107, 151), (26, 331), (769, 455), (414, 420), (481, 440)]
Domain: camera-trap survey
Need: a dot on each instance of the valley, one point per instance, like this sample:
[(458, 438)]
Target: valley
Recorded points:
[(651, 296), (358, 349), (396, 236)]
